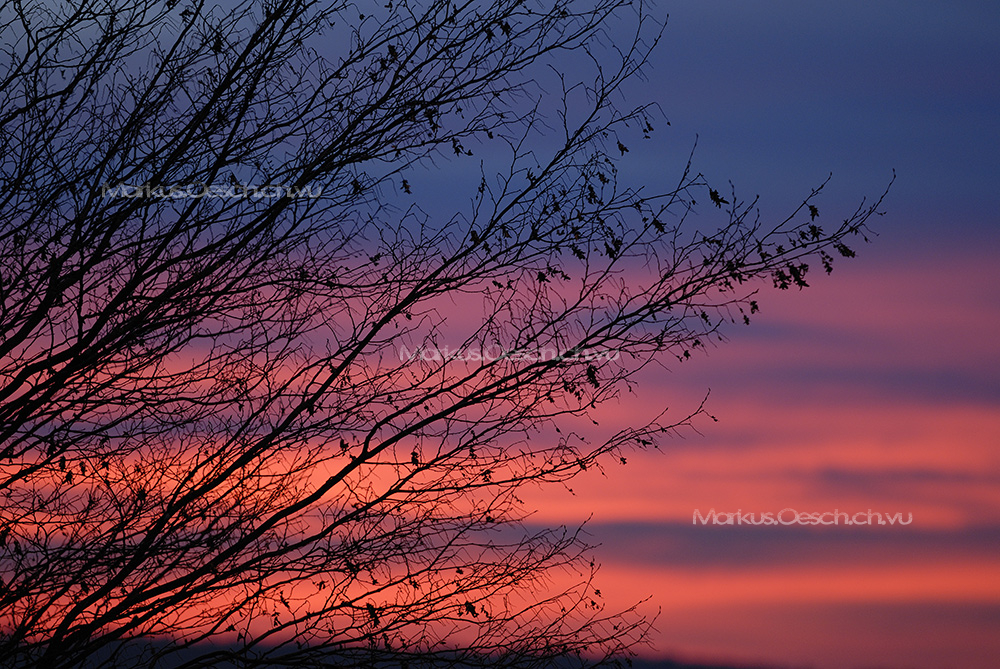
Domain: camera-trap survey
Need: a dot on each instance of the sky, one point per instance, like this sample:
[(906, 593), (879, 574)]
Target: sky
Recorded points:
[(878, 388)]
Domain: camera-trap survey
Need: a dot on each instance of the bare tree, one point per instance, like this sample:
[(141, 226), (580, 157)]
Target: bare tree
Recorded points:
[(266, 396)]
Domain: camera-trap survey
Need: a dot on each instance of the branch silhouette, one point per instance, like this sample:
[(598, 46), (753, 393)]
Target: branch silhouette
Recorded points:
[(261, 401)]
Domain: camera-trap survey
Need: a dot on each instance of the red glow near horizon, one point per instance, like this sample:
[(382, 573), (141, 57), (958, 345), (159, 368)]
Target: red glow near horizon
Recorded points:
[(853, 399)]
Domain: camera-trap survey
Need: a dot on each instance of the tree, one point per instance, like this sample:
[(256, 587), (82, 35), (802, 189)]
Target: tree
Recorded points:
[(257, 405)]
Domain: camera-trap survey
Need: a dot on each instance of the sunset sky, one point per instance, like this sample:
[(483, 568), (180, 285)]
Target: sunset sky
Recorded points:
[(215, 447), (877, 388)]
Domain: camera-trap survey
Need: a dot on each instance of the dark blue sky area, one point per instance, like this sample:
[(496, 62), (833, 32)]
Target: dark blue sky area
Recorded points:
[(781, 93)]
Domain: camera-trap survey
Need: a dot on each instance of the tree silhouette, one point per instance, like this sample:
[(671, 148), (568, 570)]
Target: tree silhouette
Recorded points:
[(271, 380)]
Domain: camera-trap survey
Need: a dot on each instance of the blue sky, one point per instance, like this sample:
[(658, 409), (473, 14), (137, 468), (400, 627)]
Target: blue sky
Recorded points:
[(783, 93)]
